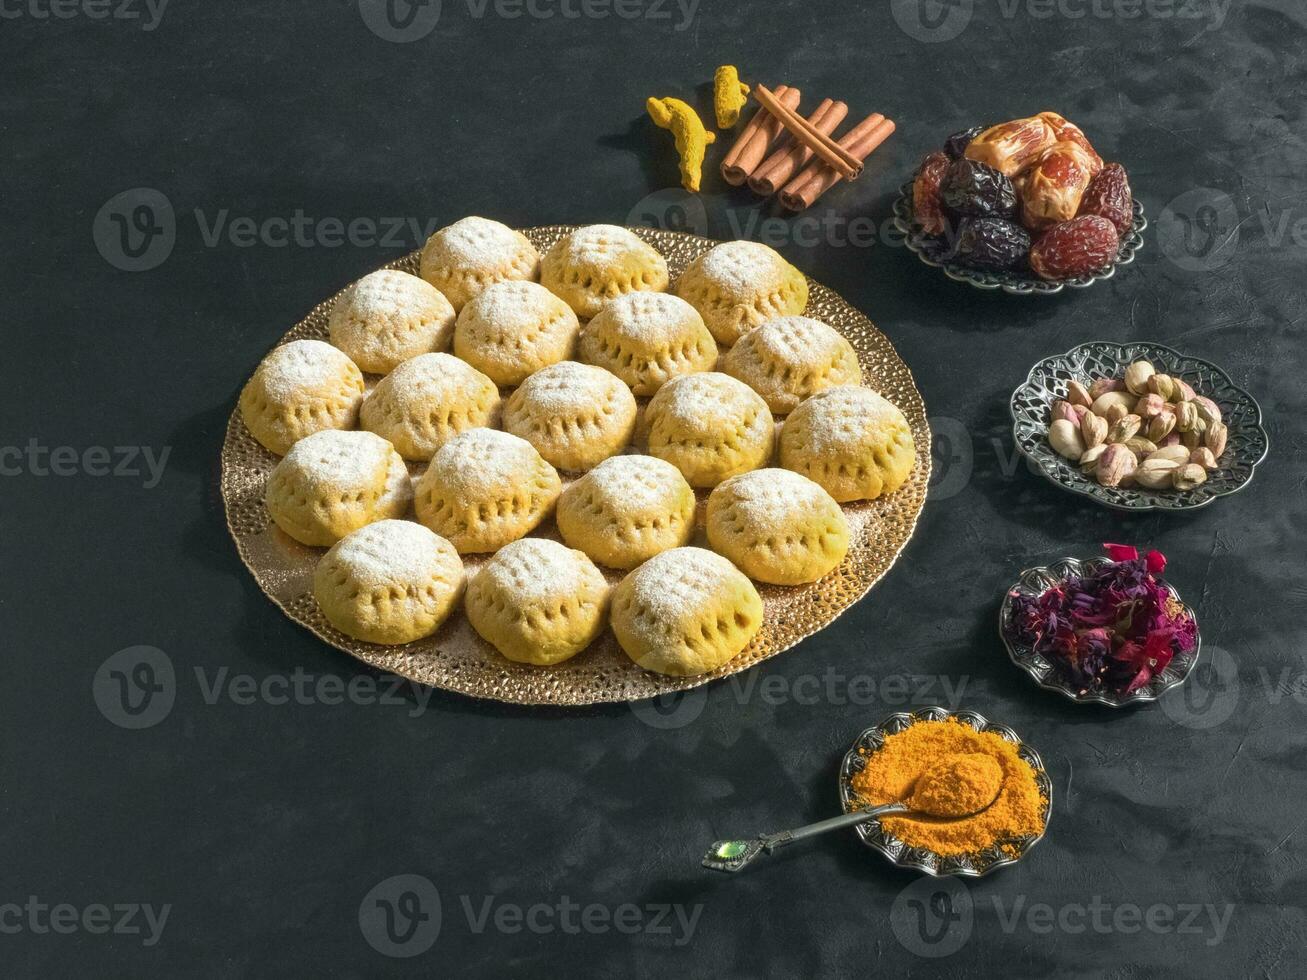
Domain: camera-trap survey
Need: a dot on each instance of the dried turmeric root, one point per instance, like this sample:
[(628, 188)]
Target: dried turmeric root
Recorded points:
[(691, 138), (729, 96)]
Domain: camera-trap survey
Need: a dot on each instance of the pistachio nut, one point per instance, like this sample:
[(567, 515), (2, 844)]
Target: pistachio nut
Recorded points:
[(1106, 400), (1176, 454), (1140, 446), (1215, 437), (1078, 394), (1101, 386), (1191, 439), (1149, 405), (1063, 410), (1123, 429), (1155, 474), (1162, 384), (1137, 375), (1208, 410), (1116, 465), (1188, 476), (1065, 439), (1115, 414), (1204, 457), (1093, 430), (1183, 391), (1089, 461), (1172, 440), (1187, 418), (1160, 426)]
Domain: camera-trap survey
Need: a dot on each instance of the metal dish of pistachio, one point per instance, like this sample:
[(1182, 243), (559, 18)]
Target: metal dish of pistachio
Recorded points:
[(1108, 676), (1138, 427), (973, 864)]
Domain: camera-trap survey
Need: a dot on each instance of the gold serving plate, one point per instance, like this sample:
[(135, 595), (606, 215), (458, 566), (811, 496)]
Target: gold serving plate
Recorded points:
[(455, 658)]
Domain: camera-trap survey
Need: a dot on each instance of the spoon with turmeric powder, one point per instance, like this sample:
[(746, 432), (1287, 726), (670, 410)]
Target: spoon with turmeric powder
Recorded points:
[(954, 788)]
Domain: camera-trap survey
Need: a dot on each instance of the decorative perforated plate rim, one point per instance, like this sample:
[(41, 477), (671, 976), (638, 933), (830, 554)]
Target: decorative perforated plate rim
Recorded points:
[(930, 249), (456, 659), (1032, 406), (973, 865), (1036, 581)]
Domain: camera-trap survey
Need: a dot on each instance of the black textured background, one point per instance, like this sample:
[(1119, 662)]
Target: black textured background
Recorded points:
[(265, 825)]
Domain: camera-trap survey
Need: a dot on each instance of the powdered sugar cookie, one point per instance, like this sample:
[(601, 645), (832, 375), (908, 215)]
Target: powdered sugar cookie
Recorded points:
[(851, 441), (777, 526), (710, 427), (538, 602), (428, 400), (686, 611), (626, 510), (597, 263), (464, 258), (333, 482), (574, 414), (389, 582), (485, 488), (738, 285), (298, 389), (512, 329), (388, 317), (648, 338), (791, 357)]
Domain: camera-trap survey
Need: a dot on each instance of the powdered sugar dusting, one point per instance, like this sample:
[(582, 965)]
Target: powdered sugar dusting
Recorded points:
[(394, 552), (708, 400), (304, 365), (636, 484), (594, 243), (475, 242), (516, 306), (340, 459), (432, 378), (798, 339), (571, 388), (742, 266), (482, 463), (385, 292), (652, 320), (836, 417), (538, 570), (677, 583)]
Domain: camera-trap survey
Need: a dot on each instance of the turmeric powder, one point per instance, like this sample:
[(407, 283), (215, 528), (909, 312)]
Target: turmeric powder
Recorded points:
[(957, 786), (691, 138), (893, 772), (729, 96)]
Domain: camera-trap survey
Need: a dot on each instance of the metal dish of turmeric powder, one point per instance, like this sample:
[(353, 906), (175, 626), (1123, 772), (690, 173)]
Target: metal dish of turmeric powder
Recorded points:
[(972, 864)]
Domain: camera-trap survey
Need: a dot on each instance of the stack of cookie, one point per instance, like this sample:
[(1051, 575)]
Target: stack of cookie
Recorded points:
[(562, 364)]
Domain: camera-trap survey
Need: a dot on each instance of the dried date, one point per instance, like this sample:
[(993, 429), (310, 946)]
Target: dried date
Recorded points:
[(1074, 248), (925, 193), (1108, 196), (976, 190), (991, 243), (958, 142)]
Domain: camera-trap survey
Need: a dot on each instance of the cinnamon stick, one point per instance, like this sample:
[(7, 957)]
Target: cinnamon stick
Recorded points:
[(773, 173), (750, 149), (817, 178), (822, 145)]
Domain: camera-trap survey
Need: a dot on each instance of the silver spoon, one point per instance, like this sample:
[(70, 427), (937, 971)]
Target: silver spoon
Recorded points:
[(733, 855)]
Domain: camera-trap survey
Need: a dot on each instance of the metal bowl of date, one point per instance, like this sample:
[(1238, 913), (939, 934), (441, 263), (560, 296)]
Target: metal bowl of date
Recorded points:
[(1037, 581), (1032, 406), (934, 250)]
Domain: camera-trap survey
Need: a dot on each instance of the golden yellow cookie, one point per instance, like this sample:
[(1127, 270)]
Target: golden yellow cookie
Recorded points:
[(485, 488), (626, 510), (574, 414), (512, 329), (777, 526), (851, 441), (389, 316), (538, 602), (646, 339), (710, 427), (791, 357), (464, 258), (686, 611), (334, 482), (298, 389), (597, 263), (738, 285), (428, 400), (388, 582)]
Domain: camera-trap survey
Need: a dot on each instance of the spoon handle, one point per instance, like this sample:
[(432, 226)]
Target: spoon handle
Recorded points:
[(733, 855)]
